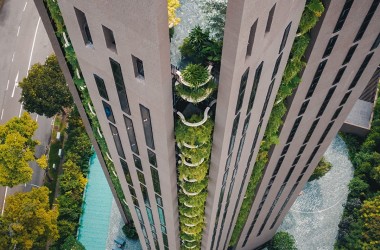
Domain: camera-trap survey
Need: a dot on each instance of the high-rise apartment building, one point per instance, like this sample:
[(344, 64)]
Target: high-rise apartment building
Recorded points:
[(196, 170)]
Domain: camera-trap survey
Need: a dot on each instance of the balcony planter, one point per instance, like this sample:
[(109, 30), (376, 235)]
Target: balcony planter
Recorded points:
[(198, 173)]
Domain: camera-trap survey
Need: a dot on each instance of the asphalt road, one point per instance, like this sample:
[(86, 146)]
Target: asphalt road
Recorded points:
[(23, 42)]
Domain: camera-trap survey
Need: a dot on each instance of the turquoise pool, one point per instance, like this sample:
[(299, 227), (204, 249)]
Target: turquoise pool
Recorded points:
[(101, 221)]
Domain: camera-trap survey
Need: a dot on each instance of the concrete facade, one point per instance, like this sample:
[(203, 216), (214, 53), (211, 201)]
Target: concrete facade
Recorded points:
[(257, 41)]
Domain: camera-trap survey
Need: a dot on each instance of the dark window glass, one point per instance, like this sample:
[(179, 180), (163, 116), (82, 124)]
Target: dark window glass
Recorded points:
[(233, 133), (275, 70), (135, 201), (367, 20), (267, 99), (101, 87), (161, 214), (311, 158), (243, 84), (302, 148), (139, 215), (163, 229), (294, 129), (246, 123), (285, 149), (296, 160), (131, 135), (326, 101), (317, 75), (83, 26), (138, 67), (360, 71), (339, 75), (152, 158), (127, 174), (303, 107), (343, 15), (285, 37), (279, 163), (156, 180), (325, 133), (120, 87), (350, 53), (116, 138), (251, 38), (144, 192), (110, 39), (270, 19), (330, 46), (132, 191), (311, 130), (159, 200), (254, 86), (345, 97), (141, 177), (165, 238), (137, 162), (108, 112), (337, 112), (241, 144), (376, 42), (147, 124)]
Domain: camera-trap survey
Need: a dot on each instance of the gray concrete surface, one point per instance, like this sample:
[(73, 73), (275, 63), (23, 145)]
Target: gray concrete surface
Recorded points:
[(23, 42)]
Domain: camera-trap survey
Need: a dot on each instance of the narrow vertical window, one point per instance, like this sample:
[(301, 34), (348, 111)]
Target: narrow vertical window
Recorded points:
[(156, 180), (120, 87), (336, 114), (138, 67), (137, 162), (110, 39), (360, 71), (243, 84), (108, 112), (144, 192), (270, 19), (345, 98), (127, 174), (350, 53), (367, 20), (131, 134), (275, 70), (326, 101), (147, 124), (303, 107), (330, 46), (83, 26), (376, 42), (116, 138), (285, 37), (254, 86), (152, 158), (233, 133), (251, 38), (343, 15), (101, 87), (339, 75)]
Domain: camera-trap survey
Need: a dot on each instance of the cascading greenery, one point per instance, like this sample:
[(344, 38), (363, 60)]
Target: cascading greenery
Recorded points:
[(290, 80), (194, 143), (72, 62)]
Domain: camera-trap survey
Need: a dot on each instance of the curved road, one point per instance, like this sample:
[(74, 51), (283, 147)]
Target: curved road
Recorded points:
[(23, 42)]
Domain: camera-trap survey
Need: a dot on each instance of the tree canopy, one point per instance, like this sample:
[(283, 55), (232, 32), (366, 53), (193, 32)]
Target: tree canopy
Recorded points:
[(282, 241), (44, 90), (28, 222), (173, 20), (17, 149)]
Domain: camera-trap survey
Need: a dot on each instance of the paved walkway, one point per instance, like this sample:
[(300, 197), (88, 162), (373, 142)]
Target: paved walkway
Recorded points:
[(314, 217)]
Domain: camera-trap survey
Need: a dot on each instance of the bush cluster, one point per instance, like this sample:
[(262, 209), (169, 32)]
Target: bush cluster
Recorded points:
[(359, 227), (290, 81)]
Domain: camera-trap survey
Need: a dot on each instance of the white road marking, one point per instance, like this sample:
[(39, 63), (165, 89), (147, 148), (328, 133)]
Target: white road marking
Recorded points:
[(16, 84), (7, 85), (2, 113), (18, 30), (26, 3), (19, 114), (5, 196), (36, 118), (34, 40), (13, 56)]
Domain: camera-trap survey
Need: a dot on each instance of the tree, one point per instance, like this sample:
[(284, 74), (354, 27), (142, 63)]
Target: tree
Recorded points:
[(129, 231), (44, 90), (28, 222), (282, 241), (17, 149), (322, 168), (173, 20), (370, 214), (72, 178), (72, 244), (357, 187)]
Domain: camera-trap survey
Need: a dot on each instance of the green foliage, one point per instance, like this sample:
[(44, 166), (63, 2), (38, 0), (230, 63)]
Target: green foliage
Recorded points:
[(215, 13), (190, 173), (44, 90), (358, 187), (28, 222), (196, 94), (194, 187), (199, 48), (370, 214), (72, 244), (196, 136), (195, 74), (17, 149), (290, 81), (322, 168), (282, 241), (129, 231)]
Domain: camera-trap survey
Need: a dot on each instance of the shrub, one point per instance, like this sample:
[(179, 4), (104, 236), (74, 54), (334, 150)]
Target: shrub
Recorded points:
[(282, 241), (322, 168), (130, 232), (195, 74)]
